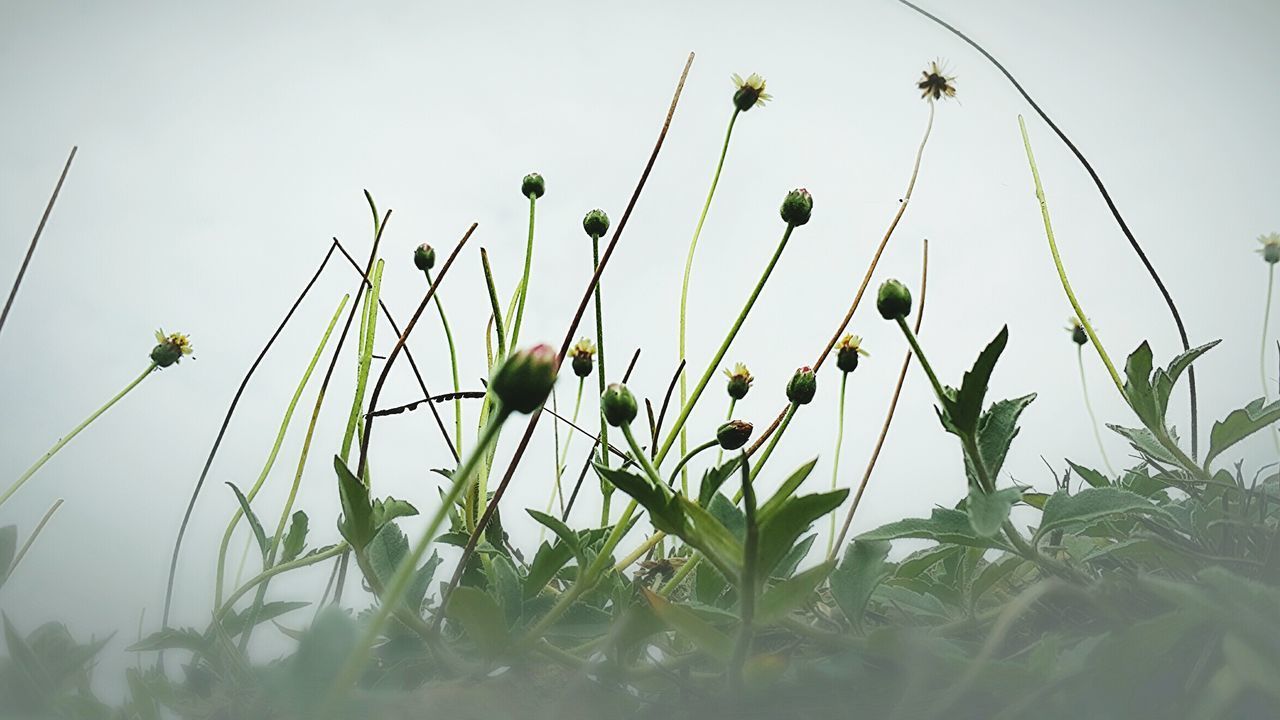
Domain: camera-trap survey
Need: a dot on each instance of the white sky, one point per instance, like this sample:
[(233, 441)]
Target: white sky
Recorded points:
[(223, 144)]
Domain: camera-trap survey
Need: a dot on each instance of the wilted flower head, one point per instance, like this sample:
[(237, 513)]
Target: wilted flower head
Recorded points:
[(750, 92), (171, 348), (739, 381), (1270, 249), (582, 354), (847, 352), (935, 83), (1078, 334)]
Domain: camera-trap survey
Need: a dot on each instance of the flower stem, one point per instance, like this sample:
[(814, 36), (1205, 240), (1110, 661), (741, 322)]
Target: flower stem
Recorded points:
[(642, 458), (773, 443), (747, 587), (1093, 420), (31, 539), (453, 362), (556, 490), (687, 406), (688, 270), (835, 465), (689, 456), (600, 372), (494, 305), (1262, 354), (408, 566), (523, 291), (74, 431), (733, 402)]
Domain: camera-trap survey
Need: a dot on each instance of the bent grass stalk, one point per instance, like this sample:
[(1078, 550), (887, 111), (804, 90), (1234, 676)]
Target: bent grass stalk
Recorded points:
[(275, 451), (688, 271), (522, 291), (22, 480)]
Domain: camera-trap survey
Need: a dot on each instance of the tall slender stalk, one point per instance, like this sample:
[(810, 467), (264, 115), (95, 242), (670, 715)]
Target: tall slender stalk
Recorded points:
[(31, 539), (563, 455), (453, 363), (1088, 406), (35, 239), (523, 290), (835, 463), (688, 271), (74, 432), (1262, 352), (747, 587)]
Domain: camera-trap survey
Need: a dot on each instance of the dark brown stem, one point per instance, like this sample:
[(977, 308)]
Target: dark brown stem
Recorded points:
[(1106, 196), (666, 400), (35, 239)]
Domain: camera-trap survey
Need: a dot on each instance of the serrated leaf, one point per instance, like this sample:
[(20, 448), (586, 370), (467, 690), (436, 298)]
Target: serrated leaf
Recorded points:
[(384, 511), (385, 552), (1240, 424), (567, 536), (421, 581), (1137, 386), (965, 409), (861, 570), (1146, 443), (356, 523), (258, 533), (781, 529), (1091, 476), (998, 428), (943, 525), (988, 511), (786, 490), (480, 617), (791, 593), (687, 623), (296, 539), (1164, 380), (1091, 505)]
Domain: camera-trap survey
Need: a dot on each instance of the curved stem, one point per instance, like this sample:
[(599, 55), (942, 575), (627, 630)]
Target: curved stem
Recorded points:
[(688, 271), (1093, 420), (274, 570), (689, 456), (642, 459), (275, 451), (523, 291), (74, 431), (495, 308), (835, 464), (31, 539), (453, 362), (687, 407), (924, 361)]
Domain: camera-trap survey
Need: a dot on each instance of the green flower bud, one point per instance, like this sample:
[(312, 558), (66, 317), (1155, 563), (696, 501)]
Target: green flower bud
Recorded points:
[(803, 386), (582, 354), (533, 186), (596, 223), (894, 300), (1079, 336), (170, 348), (734, 434), (424, 257), (848, 350), (523, 382), (739, 381), (797, 207), (618, 405)]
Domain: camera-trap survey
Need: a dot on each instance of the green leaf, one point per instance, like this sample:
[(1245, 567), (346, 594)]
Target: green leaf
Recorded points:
[(258, 533), (710, 536), (781, 529), (356, 523), (546, 563), (966, 408), (788, 488), (1137, 387), (943, 525), (1091, 476), (568, 537), (384, 511), (714, 478), (663, 511), (1146, 443), (8, 546), (918, 562), (988, 512), (172, 639), (997, 429), (1240, 424), (322, 652), (991, 575), (687, 623), (791, 593), (296, 539), (789, 562), (729, 515), (507, 588), (421, 581), (29, 667), (1091, 505), (479, 615), (861, 570), (1164, 380), (386, 551)]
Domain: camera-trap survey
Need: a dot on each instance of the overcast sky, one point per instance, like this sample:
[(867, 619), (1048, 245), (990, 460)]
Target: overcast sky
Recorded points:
[(223, 144)]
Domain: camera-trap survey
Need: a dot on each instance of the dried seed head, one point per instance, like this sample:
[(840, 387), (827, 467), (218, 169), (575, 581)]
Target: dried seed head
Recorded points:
[(803, 386), (583, 353), (847, 352), (935, 83), (523, 382)]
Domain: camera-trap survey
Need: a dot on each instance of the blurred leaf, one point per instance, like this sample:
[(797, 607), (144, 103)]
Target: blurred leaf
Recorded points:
[(861, 570), (918, 562), (992, 575), (296, 539), (507, 588), (1240, 424), (480, 617), (780, 530), (568, 537), (1091, 505), (789, 562), (988, 512), (172, 639), (33, 675), (695, 629), (943, 525), (322, 652), (258, 533), (356, 523), (8, 546), (386, 551), (788, 488), (790, 594)]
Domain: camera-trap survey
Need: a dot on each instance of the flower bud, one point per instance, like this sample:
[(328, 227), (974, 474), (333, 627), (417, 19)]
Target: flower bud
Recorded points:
[(523, 382), (618, 405), (424, 257), (894, 300), (797, 207), (596, 223), (739, 381), (582, 354), (733, 434), (803, 386), (848, 351), (533, 186), (170, 348)]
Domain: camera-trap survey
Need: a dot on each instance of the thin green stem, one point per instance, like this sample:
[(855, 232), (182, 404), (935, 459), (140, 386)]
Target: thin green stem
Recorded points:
[(747, 588), (368, 329), (408, 566), (733, 402), (1262, 353), (523, 291), (600, 371), (924, 361), (687, 406), (275, 451), (689, 456), (773, 443), (453, 362), (494, 305), (74, 431), (1088, 406), (1062, 273), (835, 465), (642, 458), (265, 575), (562, 457), (688, 271), (31, 539)]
